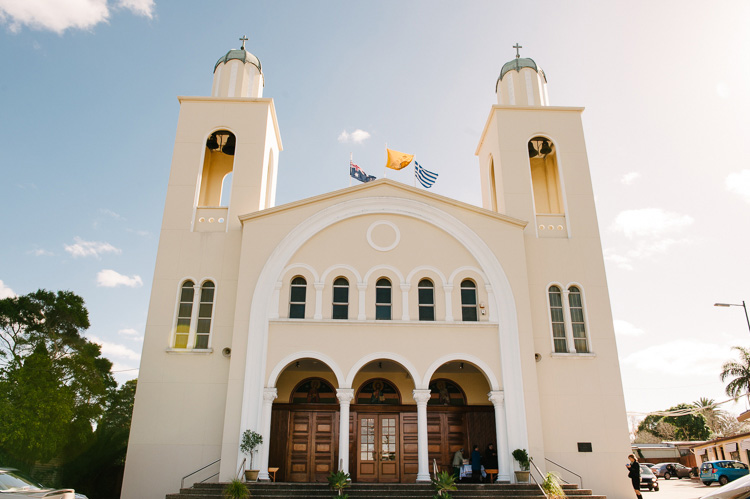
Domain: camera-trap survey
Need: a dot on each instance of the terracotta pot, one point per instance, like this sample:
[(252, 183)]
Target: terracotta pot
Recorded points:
[(251, 475), (522, 476)]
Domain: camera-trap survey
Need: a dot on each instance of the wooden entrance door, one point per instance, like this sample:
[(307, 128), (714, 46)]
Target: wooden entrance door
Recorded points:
[(378, 446), (312, 444)]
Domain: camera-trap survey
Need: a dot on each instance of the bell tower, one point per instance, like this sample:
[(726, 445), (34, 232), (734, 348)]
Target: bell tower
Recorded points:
[(226, 150), (532, 155)]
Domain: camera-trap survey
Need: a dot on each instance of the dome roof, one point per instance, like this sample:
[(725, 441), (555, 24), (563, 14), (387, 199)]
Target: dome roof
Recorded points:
[(517, 64), (239, 54)]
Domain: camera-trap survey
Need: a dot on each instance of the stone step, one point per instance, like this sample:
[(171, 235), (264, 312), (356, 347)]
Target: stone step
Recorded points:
[(270, 490)]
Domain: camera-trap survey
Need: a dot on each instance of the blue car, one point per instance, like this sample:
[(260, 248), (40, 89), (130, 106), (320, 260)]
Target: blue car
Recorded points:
[(722, 471)]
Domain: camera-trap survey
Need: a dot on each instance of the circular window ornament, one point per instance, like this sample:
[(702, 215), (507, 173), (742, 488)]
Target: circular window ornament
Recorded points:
[(383, 235)]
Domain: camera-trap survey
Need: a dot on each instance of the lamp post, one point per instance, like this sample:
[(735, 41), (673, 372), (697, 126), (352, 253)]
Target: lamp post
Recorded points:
[(736, 305)]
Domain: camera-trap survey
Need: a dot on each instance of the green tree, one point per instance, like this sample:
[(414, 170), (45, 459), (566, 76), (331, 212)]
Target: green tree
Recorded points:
[(54, 383), (690, 426), (738, 373)]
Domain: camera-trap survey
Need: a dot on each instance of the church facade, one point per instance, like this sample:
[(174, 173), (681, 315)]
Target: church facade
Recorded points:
[(379, 328)]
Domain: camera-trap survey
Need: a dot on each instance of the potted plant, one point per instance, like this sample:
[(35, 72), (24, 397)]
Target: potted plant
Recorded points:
[(443, 482), (552, 486), (250, 441), (522, 457), (338, 481), (236, 490)]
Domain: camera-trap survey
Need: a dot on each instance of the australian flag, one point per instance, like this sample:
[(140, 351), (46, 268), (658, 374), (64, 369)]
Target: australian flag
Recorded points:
[(359, 173)]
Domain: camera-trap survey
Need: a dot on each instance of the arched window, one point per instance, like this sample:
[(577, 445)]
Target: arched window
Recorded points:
[(205, 313), (383, 299), (493, 188), (577, 321), (445, 392), (184, 315), (545, 177), (469, 301), (217, 163), (558, 319), (340, 298), (297, 296), (313, 391), (426, 292)]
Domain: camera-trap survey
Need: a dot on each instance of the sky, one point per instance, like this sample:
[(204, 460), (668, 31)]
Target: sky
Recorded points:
[(88, 112)]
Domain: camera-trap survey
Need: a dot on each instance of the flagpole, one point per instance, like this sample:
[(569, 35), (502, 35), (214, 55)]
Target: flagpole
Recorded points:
[(415, 173), (351, 158)]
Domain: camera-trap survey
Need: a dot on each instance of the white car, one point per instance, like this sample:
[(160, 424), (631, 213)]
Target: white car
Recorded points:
[(15, 486), (737, 489)]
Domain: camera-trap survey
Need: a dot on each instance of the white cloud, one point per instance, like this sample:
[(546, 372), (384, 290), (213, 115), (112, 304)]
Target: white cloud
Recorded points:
[(130, 334), (115, 350), (624, 328), (629, 178), (90, 248), (621, 261), (649, 222), (5, 291), (739, 183), (60, 15), (143, 8), (111, 214), (696, 357), (357, 136), (40, 252), (110, 279)]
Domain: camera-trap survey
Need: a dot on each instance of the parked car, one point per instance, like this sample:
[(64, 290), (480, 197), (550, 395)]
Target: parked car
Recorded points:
[(722, 471), (669, 470), (739, 489), (13, 485), (648, 479)]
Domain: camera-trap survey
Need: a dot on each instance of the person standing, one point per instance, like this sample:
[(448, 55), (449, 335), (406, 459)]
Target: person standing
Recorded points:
[(476, 465), (458, 461), (634, 473), (490, 457)]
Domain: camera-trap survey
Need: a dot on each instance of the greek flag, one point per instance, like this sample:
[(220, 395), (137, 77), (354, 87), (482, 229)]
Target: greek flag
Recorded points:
[(425, 177)]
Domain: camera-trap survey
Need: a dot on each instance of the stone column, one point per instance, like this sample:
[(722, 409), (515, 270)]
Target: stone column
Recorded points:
[(504, 462), (362, 288), (345, 396), (448, 289), (423, 468), (269, 395), (405, 287), (318, 300)]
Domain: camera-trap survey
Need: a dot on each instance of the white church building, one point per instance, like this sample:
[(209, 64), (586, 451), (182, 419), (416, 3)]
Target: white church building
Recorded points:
[(378, 328)]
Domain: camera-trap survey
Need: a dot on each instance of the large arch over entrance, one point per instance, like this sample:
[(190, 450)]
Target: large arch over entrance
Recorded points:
[(502, 310)]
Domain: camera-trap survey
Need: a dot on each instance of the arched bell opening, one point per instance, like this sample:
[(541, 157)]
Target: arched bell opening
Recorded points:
[(460, 415), (218, 162), (304, 422)]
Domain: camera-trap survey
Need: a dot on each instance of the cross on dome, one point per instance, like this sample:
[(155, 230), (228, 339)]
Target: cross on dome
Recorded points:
[(243, 40), (516, 46)]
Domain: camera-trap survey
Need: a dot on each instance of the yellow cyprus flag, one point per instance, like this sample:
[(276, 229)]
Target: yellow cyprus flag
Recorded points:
[(398, 160)]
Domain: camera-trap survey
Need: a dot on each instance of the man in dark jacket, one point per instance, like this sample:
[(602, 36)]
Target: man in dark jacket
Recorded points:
[(476, 465)]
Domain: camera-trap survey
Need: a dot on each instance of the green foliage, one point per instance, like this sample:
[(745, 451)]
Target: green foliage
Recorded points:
[(236, 490), (522, 457), (250, 441), (686, 427), (444, 482), (338, 481), (738, 373), (54, 383), (552, 485)]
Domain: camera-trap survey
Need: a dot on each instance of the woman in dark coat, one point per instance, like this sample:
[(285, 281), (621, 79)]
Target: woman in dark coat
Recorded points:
[(476, 465), (634, 473)]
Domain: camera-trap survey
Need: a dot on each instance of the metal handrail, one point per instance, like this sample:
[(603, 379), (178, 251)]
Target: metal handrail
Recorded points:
[(182, 482), (209, 478), (566, 469), (531, 460), (242, 468)]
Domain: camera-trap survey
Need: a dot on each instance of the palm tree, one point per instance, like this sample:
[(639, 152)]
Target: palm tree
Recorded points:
[(740, 374)]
